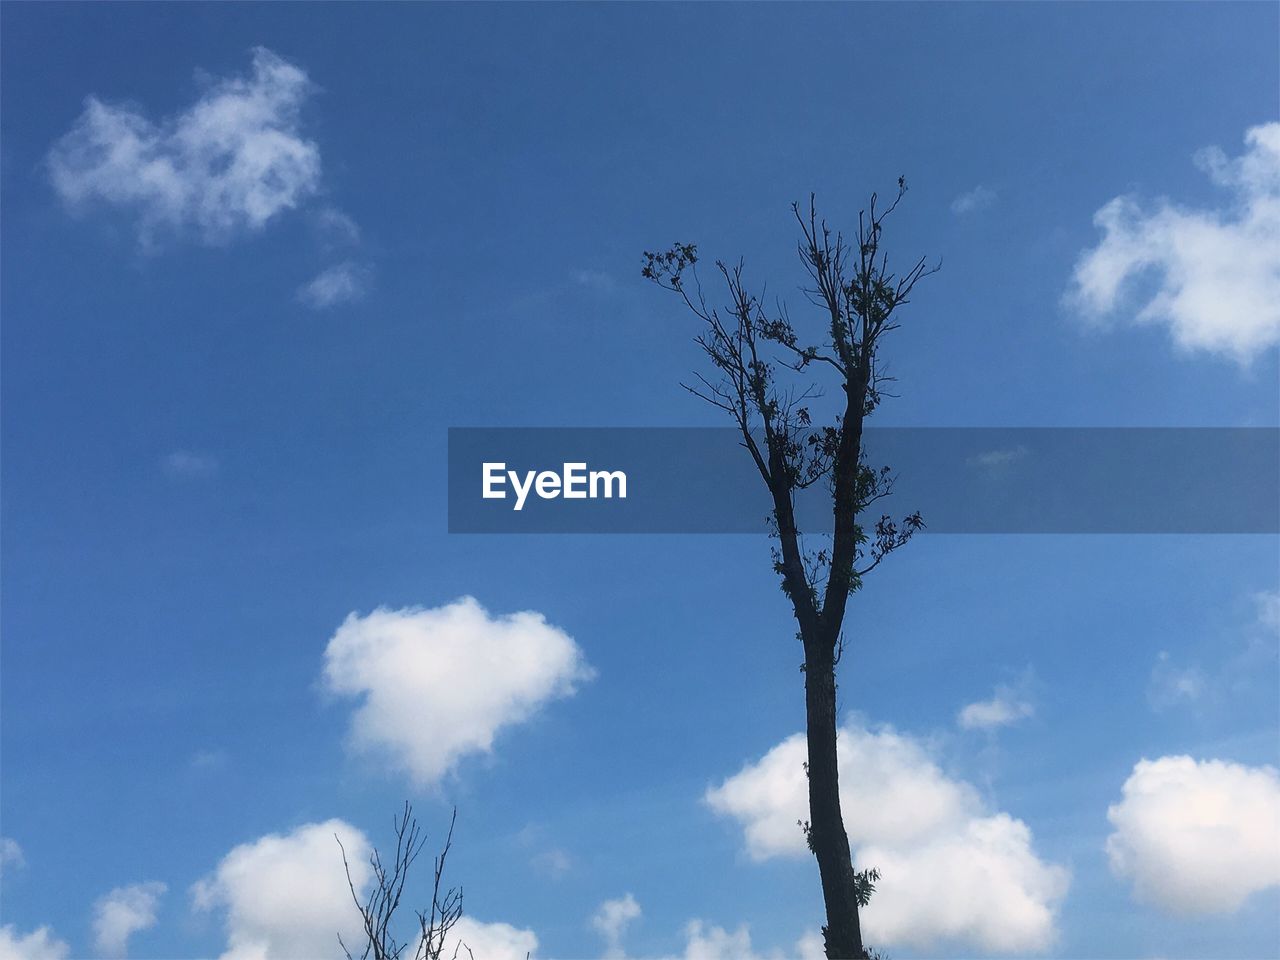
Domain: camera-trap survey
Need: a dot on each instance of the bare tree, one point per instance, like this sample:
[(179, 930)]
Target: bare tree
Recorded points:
[(748, 344), (378, 908)]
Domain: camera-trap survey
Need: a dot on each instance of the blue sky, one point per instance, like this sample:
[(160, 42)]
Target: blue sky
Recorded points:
[(246, 293)]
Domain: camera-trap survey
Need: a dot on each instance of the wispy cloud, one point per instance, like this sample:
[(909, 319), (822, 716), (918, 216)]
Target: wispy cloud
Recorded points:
[(1268, 609), (1216, 271), (208, 760), (10, 854), (545, 857), (345, 282), (336, 228), (971, 201), (596, 280), (995, 459), (188, 465), (1234, 670), (554, 862), (1007, 705), (232, 161), (1172, 685)]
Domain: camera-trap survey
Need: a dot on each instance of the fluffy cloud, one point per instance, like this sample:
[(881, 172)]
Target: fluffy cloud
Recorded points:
[(715, 943), (231, 161), (611, 922), (344, 283), (438, 684), (952, 870), (286, 895), (1007, 706), (39, 944), (120, 914), (489, 941), (1197, 837), (1216, 272)]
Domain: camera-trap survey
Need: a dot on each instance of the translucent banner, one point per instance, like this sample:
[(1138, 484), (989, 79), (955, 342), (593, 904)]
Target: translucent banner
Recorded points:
[(961, 480)]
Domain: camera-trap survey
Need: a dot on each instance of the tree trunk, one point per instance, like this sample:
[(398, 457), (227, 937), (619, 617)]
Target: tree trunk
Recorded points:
[(827, 838)]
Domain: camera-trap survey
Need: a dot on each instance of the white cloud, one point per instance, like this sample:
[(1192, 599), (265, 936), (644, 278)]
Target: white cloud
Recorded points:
[(703, 941), (438, 684), (345, 282), (286, 895), (810, 947), (188, 465), (230, 162), (715, 943), (489, 941), (979, 198), (1197, 837), (1007, 706), (708, 942), (952, 871), (1217, 272), (10, 854), (39, 944), (120, 914), (611, 922)]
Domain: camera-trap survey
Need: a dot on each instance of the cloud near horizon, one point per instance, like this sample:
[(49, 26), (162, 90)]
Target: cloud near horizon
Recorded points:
[(611, 921), (952, 871), (705, 941), (1197, 837), (39, 944), (120, 914), (285, 896)]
